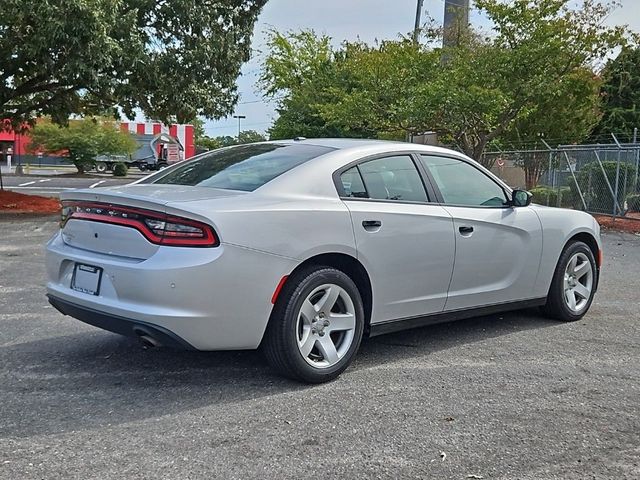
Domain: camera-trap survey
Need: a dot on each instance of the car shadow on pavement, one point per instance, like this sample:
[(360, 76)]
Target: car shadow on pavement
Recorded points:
[(420, 342), (93, 379)]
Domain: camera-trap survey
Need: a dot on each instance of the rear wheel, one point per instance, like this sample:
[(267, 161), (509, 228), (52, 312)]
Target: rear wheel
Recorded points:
[(316, 326), (573, 285), (101, 167)]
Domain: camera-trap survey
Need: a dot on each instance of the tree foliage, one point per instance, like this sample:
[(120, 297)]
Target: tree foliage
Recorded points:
[(301, 72), (487, 88), (173, 59), (566, 116), (82, 140), (205, 142), (621, 91)]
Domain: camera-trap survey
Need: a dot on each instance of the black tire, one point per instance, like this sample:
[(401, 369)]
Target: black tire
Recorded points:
[(142, 166), (280, 345), (101, 167), (556, 306)]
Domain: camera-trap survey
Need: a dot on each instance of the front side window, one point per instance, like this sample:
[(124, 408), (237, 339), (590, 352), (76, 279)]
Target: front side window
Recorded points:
[(244, 167), (462, 184), (391, 178)]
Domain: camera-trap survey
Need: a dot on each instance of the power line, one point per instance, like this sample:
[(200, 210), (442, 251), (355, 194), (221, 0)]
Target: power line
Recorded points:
[(233, 126), (262, 100)]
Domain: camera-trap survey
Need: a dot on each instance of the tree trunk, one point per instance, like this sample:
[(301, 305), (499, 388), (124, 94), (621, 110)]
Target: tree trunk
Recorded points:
[(79, 164)]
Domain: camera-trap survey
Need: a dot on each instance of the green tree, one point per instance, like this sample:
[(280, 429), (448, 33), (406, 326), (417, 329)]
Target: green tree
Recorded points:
[(474, 93), (172, 59), (211, 143), (299, 74), (250, 136), (82, 140), (621, 91), (567, 115)]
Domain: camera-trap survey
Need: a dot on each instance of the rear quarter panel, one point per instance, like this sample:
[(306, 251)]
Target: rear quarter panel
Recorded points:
[(296, 227)]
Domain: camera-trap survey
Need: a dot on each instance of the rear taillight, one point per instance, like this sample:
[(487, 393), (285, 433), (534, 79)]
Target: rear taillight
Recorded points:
[(157, 227)]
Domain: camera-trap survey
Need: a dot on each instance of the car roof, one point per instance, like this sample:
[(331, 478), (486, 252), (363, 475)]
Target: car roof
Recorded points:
[(363, 144), (337, 143)]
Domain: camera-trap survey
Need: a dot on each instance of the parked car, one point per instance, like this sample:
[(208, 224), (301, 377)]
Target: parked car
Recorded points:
[(303, 247)]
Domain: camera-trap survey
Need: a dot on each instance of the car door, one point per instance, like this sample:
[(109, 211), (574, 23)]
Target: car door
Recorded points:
[(405, 242), (498, 247)]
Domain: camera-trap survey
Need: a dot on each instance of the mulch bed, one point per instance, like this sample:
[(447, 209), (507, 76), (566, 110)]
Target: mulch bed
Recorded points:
[(629, 223), (12, 202)]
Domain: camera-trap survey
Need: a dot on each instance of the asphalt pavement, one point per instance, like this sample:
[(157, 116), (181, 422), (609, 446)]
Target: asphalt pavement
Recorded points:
[(53, 185), (511, 396)]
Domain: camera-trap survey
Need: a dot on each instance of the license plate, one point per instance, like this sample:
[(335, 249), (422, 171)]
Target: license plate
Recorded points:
[(86, 279)]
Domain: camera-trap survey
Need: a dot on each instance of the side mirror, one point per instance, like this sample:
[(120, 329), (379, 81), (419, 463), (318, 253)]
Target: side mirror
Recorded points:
[(521, 198)]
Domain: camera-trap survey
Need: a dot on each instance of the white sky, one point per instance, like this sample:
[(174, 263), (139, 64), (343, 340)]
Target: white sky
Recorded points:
[(343, 20)]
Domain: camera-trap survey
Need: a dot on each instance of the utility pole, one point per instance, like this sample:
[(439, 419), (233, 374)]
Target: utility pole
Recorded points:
[(239, 117), (456, 21), (637, 155), (416, 28)]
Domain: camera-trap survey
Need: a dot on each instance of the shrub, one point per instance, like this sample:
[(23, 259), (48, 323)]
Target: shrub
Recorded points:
[(594, 186), (633, 202), (120, 169), (553, 197)]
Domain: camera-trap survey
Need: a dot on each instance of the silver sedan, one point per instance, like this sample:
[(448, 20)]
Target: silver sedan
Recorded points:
[(303, 247)]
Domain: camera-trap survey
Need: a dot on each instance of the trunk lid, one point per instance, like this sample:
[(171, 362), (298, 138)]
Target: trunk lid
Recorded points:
[(124, 241)]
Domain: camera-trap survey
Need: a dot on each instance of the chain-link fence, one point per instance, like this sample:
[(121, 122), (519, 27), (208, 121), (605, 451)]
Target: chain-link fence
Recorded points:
[(600, 178)]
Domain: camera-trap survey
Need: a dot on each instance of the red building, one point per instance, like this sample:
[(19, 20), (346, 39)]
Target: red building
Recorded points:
[(14, 144)]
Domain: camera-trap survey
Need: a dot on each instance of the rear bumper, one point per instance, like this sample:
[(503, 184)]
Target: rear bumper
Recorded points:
[(211, 298), (120, 325)]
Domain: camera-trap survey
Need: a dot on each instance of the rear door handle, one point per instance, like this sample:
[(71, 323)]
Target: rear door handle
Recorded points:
[(465, 230), (371, 225)]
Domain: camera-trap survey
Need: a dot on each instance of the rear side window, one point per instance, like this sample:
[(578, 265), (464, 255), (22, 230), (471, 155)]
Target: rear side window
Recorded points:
[(393, 178), (352, 184), (244, 167)]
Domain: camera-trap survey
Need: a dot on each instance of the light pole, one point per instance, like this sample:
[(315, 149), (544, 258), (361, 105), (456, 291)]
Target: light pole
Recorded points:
[(456, 21), (239, 117), (416, 28)]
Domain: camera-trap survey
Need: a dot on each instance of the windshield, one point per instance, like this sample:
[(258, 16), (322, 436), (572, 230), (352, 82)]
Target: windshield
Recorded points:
[(244, 167)]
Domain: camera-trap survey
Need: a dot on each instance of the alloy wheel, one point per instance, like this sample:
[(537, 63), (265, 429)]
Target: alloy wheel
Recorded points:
[(578, 282), (326, 325)]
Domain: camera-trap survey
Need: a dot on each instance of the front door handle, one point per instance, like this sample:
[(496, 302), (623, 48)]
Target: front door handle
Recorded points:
[(372, 225), (465, 230)]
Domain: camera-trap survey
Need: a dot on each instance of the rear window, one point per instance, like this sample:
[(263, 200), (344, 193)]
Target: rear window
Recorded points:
[(244, 167)]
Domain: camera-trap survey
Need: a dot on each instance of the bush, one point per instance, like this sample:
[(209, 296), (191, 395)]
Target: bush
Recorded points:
[(594, 186), (120, 169), (633, 202), (553, 197)]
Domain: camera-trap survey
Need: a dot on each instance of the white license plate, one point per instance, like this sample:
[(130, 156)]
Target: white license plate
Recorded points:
[(86, 279)]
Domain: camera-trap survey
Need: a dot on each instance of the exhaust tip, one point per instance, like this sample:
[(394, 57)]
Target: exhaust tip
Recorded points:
[(146, 339), (148, 342)]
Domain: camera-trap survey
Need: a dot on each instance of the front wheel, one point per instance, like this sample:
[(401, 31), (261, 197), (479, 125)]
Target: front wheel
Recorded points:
[(101, 167), (573, 285), (316, 326)]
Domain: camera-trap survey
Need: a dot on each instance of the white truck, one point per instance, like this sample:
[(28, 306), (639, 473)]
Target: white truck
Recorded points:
[(154, 152)]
